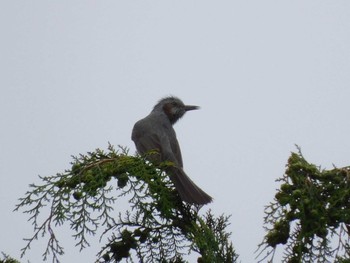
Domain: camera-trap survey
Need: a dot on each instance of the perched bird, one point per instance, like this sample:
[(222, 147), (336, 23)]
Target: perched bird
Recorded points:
[(156, 132)]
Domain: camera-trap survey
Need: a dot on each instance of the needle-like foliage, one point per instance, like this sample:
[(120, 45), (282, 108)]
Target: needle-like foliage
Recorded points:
[(155, 226), (7, 259), (310, 215)]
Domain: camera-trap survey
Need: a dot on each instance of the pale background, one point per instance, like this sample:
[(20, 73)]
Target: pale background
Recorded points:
[(267, 74)]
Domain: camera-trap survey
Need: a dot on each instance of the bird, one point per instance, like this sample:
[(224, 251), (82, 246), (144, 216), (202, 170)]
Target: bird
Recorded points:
[(156, 132)]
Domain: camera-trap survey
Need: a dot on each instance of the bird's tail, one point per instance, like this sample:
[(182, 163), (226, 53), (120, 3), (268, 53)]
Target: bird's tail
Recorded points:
[(187, 189)]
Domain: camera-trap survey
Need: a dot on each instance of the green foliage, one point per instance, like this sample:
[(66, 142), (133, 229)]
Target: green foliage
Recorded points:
[(7, 259), (211, 240), (157, 227), (311, 207)]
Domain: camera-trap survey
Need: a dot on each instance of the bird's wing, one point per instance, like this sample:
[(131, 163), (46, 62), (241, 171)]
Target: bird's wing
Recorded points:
[(170, 150), (156, 137), (175, 149), (146, 143)]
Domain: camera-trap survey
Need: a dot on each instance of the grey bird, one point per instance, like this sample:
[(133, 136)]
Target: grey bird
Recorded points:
[(156, 132)]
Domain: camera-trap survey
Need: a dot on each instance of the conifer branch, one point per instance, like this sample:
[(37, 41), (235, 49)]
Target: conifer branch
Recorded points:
[(157, 227)]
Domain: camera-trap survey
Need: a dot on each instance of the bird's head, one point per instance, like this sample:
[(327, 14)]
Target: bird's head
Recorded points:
[(174, 108)]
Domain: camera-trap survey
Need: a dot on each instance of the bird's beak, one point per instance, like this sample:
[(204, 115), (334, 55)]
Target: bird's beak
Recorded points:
[(191, 107)]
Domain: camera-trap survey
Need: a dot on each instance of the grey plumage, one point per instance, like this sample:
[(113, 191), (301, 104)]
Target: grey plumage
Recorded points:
[(156, 132)]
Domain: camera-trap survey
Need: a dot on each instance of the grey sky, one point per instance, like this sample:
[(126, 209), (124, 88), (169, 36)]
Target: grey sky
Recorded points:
[(267, 74)]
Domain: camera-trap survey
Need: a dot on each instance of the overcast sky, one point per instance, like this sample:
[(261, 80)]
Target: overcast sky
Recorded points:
[(76, 75)]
